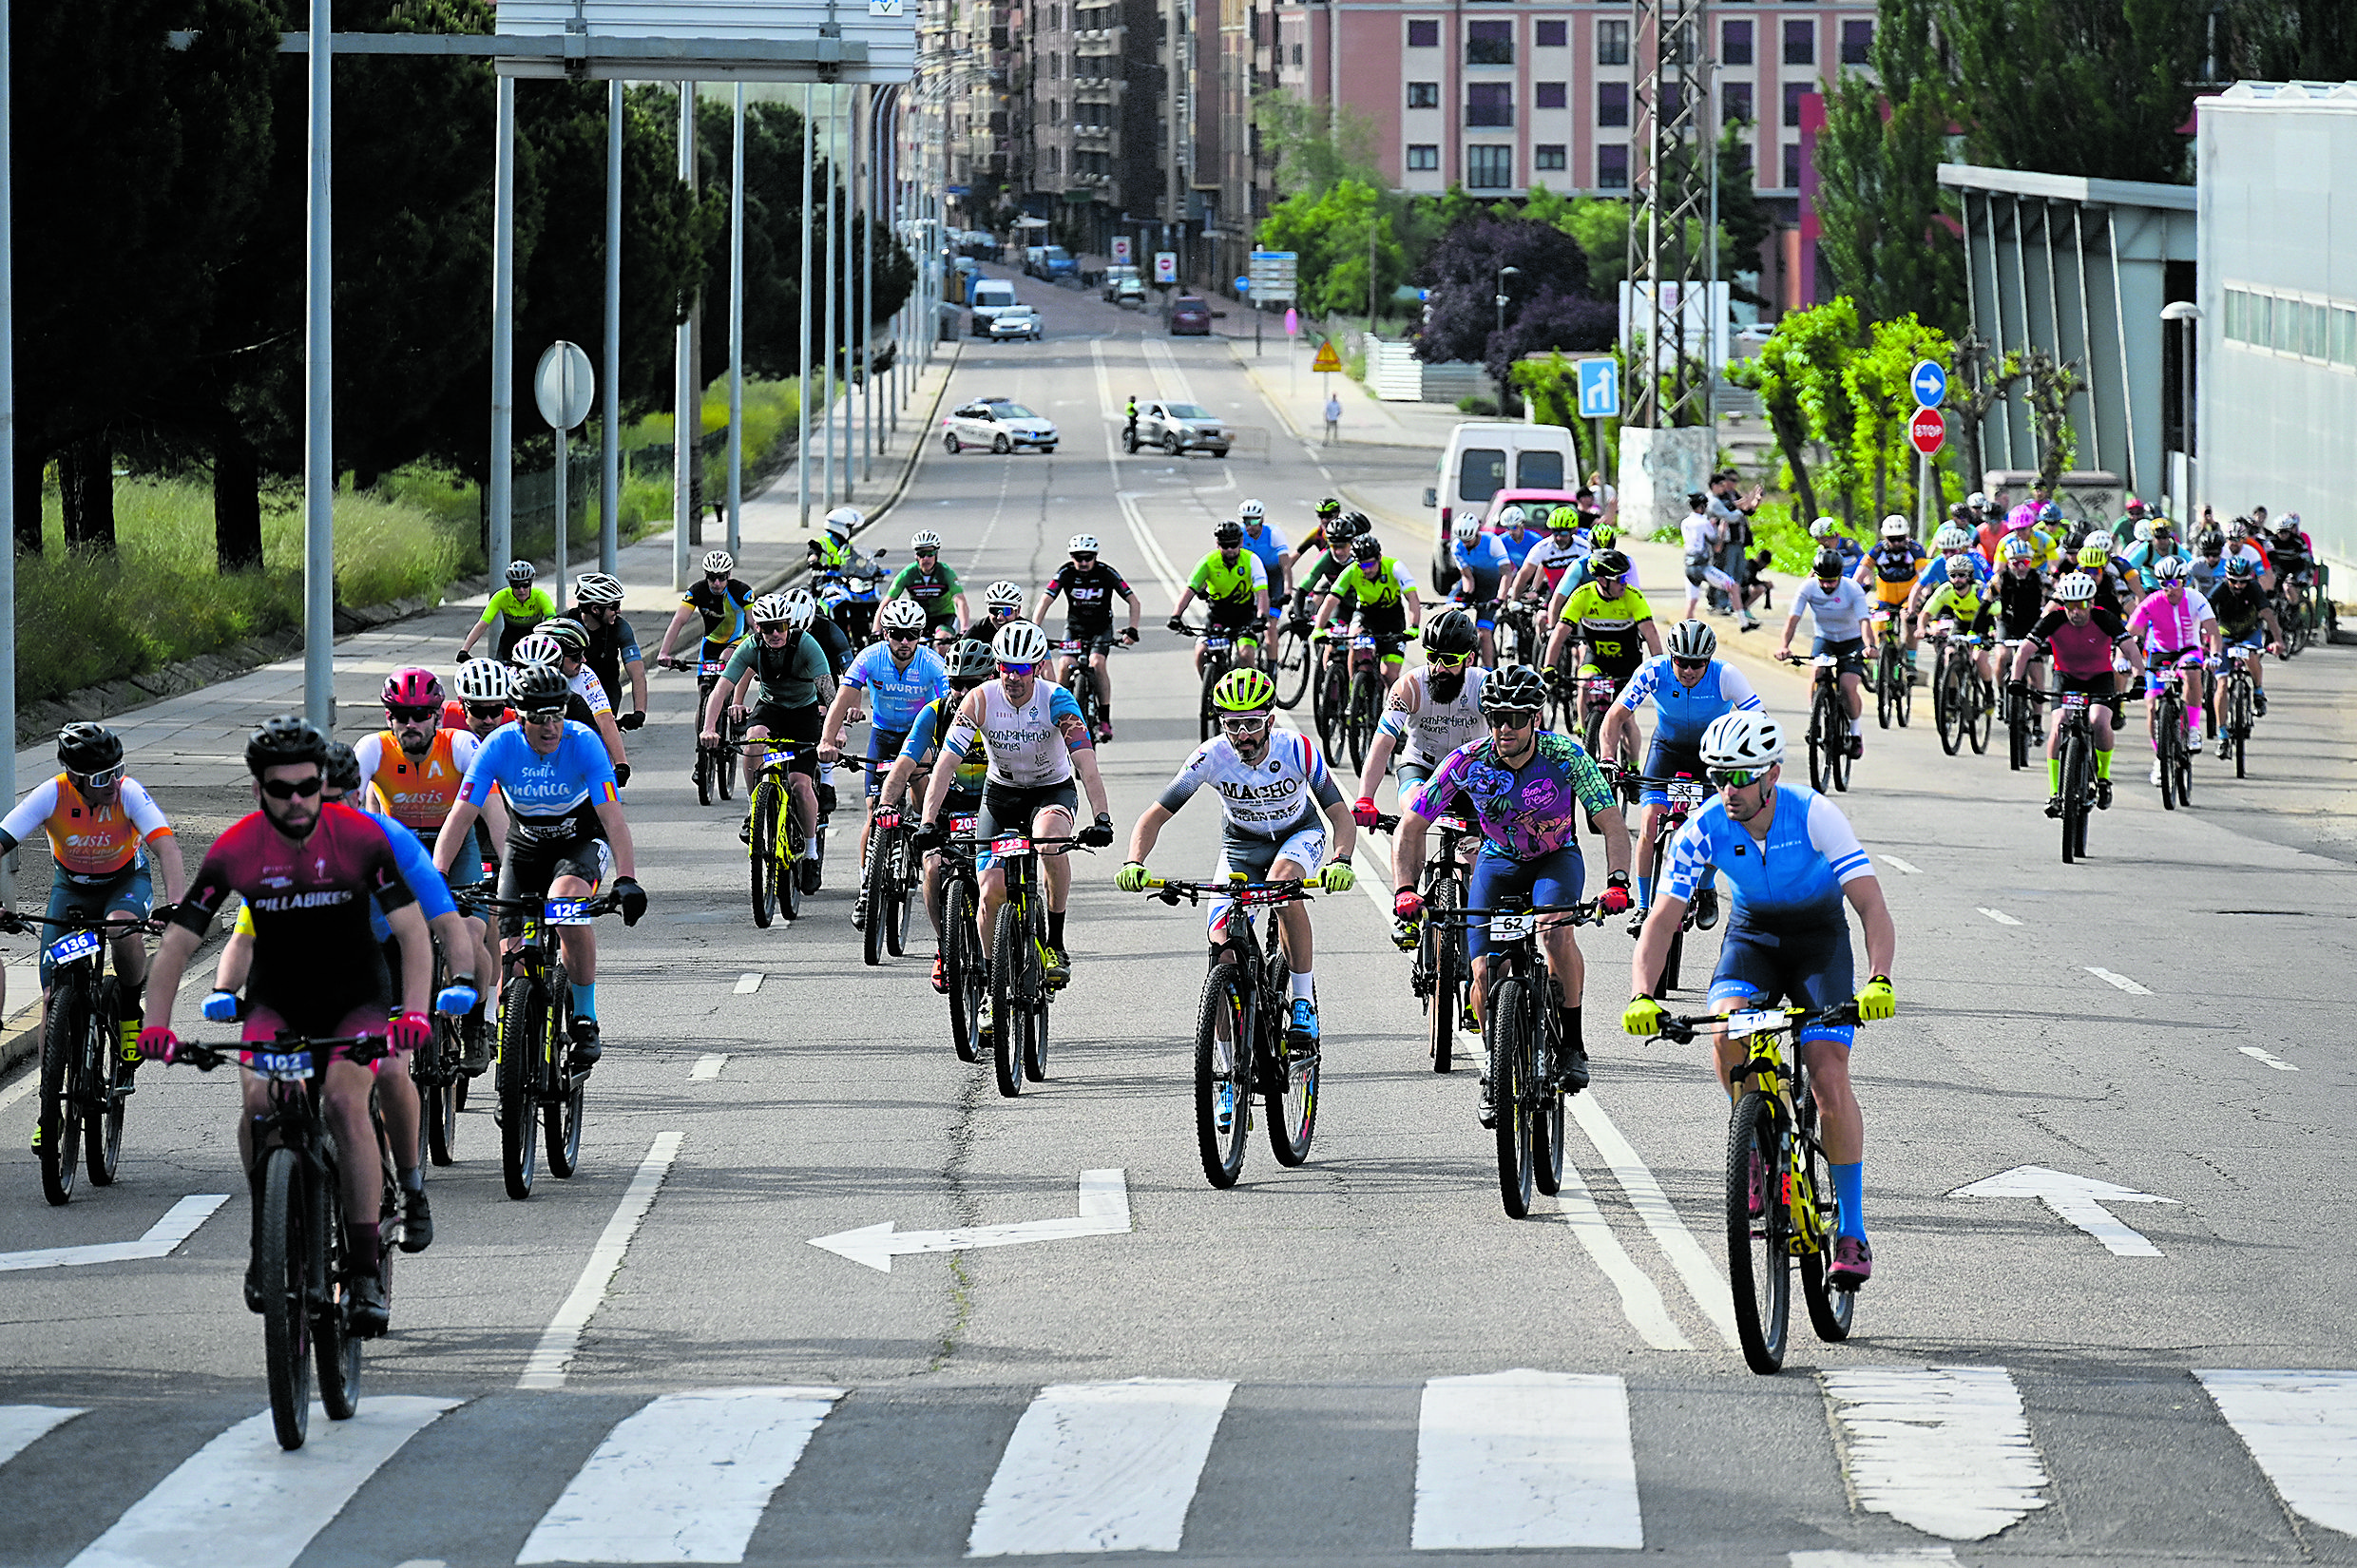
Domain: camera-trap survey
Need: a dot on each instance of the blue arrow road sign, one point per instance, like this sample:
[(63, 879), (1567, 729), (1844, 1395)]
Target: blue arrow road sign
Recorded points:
[(1599, 389), (1930, 384)]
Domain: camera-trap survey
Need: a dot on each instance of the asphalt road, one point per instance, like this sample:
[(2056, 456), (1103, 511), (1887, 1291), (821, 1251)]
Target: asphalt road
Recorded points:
[(1362, 1360)]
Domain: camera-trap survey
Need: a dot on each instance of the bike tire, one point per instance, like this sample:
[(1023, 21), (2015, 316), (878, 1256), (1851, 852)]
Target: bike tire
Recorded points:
[(962, 968), (875, 882), (1223, 1077), (1760, 1272), (2170, 721), (1293, 1114), (282, 1253), (102, 1131), (1831, 1313), (1444, 928), (1820, 746), (1510, 1093), (439, 1101), (1037, 995), (560, 1126), (1010, 1016), (1207, 716), (704, 764), (762, 872), (1366, 711), (63, 1042), (2016, 735), (1884, 676), (2182, 757), (1838, 727), (519, 1051), (1673, 961), (1292, 667), (899, 886), (1949, 701), (724, 764), (1980, 726), (1546, 1123), (2075, 786), (785, 871)]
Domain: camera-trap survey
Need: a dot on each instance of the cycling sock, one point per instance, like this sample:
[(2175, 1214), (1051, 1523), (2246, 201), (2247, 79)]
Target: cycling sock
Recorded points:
[(1568, 1026), (1055, 928), (365, 1247), (413, 1179), (1644, 893), (585, 998), (1849, 1189), (2104, 764), (1303, 991), (2053, 776)]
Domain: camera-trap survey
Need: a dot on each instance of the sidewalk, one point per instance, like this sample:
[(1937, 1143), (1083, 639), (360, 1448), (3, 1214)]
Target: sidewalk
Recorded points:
[(1299, 397)]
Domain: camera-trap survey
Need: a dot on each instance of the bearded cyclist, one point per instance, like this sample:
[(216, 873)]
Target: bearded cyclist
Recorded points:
[(1432, 711)]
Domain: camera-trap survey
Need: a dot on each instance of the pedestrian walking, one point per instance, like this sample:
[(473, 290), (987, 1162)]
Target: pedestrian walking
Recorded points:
[(1334, 418)]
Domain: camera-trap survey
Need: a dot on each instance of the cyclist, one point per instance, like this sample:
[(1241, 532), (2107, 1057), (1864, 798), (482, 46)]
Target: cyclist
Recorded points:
[(1705, 538), (1890, 568), (2291, 562), (565, 832), (1234, 586), (1277, 559), (1828, 535), (1964, 600), (899, 678), (1382, 596), (1271, 787), (1090, 587), (572, 662), (782, 664), (1612, 622), (2110, 584), (2019, 592), (2143, 559), (613, 652), (98, 818), (1320, 537), (1602, 539), (832, 550), (1528, 786), (1432, 712), (1483, 569), (1951, 544), (308, 871), (2081, 637), (2247, 627), (1689, 687), (1792, 859), (1002, 602), (518, 608), (481, 705), (1839, 604), (1545, 568), (1031, 731), (1333, 561), (2178, 626), (1514, 531), (969, 665), (718, 600), (932, 584), (824, 629)]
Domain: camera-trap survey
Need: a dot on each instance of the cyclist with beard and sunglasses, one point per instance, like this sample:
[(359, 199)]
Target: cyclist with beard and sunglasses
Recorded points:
[(1432, 712)]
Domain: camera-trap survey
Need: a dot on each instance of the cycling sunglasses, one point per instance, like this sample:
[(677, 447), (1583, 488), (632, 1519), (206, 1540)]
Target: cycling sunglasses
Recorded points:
[(544, 715), (898, 635), (1083, 558), (1735, 778), (404, 714), (105, 778), (1017, 669), (495, 710), (287, 789), (1448, 661), (1691, 663), (1520, 718), (926, 550)]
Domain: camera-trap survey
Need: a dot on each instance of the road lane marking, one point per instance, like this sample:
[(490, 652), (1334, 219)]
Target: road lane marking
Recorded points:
[(1908, 867), (2076, 1200), (748, 983), (1998, 915), (1099, 1467), (1945, 1449), (1104, 1212), (1644, 1194), (243, 1498), (2121, 980), (708, 1066), (1920, 1554), (553, 1355), (2301, 1428), (1640, 1299), (22, 1426), (684, 1480), (179, 1223), (2255, 1054), (1522, 1460)]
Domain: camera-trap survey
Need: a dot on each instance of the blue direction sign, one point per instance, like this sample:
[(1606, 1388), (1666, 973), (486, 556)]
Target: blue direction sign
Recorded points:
[(1930, 384), (1243, 283), (1599, 389)]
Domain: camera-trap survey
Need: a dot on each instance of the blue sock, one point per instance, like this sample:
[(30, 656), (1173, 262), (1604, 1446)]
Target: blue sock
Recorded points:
[(1849, 1189), (1644, 893), (584, 1000)]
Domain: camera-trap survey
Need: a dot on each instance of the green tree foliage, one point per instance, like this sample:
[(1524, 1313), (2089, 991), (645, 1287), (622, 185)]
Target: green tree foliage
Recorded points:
[(1879, 192), (2091, 88), (1331, 233), (1878, 384), (1316, 149), (2287, 39)]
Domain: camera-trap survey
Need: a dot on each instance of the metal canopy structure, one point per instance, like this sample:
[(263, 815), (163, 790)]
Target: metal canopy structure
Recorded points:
[(1672, 186), (708, 40)]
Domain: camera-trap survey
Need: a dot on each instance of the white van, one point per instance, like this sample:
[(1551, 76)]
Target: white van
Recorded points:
[(1485, 456), (987, 297)]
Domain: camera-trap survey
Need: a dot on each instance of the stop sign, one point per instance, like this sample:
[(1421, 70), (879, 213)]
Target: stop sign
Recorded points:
[(1928, 431)]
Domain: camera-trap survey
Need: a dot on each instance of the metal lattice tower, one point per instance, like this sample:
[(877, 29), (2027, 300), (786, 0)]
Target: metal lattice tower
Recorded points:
[(1669, 219)]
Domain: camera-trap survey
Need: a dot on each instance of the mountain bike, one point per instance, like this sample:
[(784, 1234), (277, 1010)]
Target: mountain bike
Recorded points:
[(301, 1265), (84, 1078), (1829, 724), (1781, 1209), (2024, 718), (889, 883), (1687, 795), (2075, 750), (1222, 652), (1076, 652), (537, 1082), (1894, 693), (1442, 978), (963, 967), (438, 1069), (2169, 728), (2235, 702), (1296, 658), (1961, 698), (783, 859), (1020, 990), (1354, 696), (1241, 1033), (711, 768), (1522, 1019)]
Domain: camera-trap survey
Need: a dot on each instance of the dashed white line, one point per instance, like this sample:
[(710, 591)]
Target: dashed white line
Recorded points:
[(1998, 915), (554, 1354), (1644, 1194), (708, 1066), (2270, 1057), (2121, 980), (1908, 867), (747, 983)]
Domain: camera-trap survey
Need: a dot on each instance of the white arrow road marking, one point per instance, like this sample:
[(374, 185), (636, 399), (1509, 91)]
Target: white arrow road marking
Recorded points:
[(243, 1498), (1702, 1278), (2075, 1199), (1099, 1467), (179, 1223), (707, 1066), (2270, 1057), (2121, 980), (1908, 867), (554, 1353), (1525, 1460), (2301, 1430), (748, 983), (1104, 1212), (1999, 915), (1945, 1449), (684, 1479), (22, 1426)]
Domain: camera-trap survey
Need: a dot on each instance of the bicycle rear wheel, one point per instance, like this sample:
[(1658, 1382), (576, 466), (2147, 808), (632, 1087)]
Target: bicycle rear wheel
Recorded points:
[(1207, 716), (59, 1131), (875, 883), (560, 1125), (102, 1122), (758, 865), (281, 1253), (962, 968), (1510, 1092), (519, 1051), (785, 870), (1443, 937), (437, 1088), (1036, 997), (334, 1345), (1223, 1077), (1546, 1120), (1831, 1312), (1293, 1116), (1010, 1018), (1758, 1267), (1980, 723), (1292, 665)]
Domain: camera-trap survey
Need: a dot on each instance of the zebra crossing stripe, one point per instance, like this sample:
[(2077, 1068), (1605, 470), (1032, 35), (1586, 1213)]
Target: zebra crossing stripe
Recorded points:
[(684, 1480), (1100, 1468), (1525, 1460), (243, 1498), (22, 1426), (2301, 1430), (1945, 1449)]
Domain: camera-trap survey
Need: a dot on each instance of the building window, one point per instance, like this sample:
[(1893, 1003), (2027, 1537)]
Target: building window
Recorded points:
[(1055, 67), (1735, 43), (1612, 43), (1792, 94), (1423, 155), (1420, 36), (2344, 336), (1612, 166), (1735, 101), (1546, 95), (1549, 35), (1489, 103), (1297, 47), (1801, 43), (1489, 43), (1857, 43), (1488, 169), (1423, 95), (1792, 166), (1548, 155), (1612, 102)]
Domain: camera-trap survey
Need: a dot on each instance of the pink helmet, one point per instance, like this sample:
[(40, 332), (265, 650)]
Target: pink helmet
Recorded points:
[(412, 687)]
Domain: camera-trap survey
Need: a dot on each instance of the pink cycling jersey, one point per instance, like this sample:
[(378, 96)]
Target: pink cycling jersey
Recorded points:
[(2171, 628)]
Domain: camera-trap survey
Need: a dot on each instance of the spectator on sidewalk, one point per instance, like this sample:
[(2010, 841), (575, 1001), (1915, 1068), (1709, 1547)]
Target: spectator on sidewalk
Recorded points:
[(1607, 499), (1334, 418)]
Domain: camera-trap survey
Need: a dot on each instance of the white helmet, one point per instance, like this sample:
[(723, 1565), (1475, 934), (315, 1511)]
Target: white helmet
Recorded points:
[(770, 606), (717, 563), (597, 588), (1084, 544), (1003, 592), (2143, 531), (2169, 568), (1894, 527), (2077, 588), (843, 521), (925, 540), (1510, 516), (1978, 501), (1252, 511), (539, 648), (1691, 640), (1019, 642), (798, 601), (1465, 529), (833, 595), (799, 616), (483, 681), (1950, 538), (1823, 528), (902, 615), (1743, 738)]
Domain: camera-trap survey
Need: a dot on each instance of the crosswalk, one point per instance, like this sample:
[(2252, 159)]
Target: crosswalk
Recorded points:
[(1541, 1462)]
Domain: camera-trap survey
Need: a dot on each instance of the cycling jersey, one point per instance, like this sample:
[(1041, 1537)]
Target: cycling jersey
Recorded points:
[(1381, 597), (1555, 559), (1681, 713), (1968, 608), (519, 615), (1608, 625), (1324, 575), (2143, 558), (1895, 565), (1518, 542), (2239, 609), (91, 843), (2084, 650), (1584, 572), (1526, 813), (550, 798), (1791, 882), (1436, 728), (1230, 588), (1266, 547), (925, 739), (935, 591), (612, 650), (1089, 596), (1937, 570), (418, 791), (1483, 563), (787, 676), (2169, 628), (897, 691), (1273, 799), (1030, 743), (585, 684), (722, 609), (1840, 614)]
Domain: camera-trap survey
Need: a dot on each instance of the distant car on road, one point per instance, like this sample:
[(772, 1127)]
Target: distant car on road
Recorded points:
[(1189, 318), (1180, 428), (1124, 286), (999, 423), (1049, 262), (987, 297), (1016, 321)]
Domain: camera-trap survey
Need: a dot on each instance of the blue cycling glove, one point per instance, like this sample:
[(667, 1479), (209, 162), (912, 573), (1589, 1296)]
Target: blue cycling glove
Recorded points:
[(222, 1007), (457, 999)]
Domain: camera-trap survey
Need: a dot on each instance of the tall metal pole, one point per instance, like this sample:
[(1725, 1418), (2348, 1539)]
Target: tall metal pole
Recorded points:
[(843, 271), (867, 295), (736, 324), (609, 476), (560, 543), (802, 299), (7, 442), (502, 542), (826, 373), (686, 405), (318, 395)]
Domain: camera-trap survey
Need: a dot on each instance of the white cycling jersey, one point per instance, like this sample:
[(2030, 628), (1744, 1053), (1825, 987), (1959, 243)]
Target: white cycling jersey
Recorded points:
[(1026, 742), (1553, 558), (586, 686), (1273, 799), (1436, 728)]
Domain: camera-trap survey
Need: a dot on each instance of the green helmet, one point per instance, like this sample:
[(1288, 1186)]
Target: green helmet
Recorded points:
[(1564, 517), (1244, 691)]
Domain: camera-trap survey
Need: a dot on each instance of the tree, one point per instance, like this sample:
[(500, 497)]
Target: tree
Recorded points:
[(1879, 194), (1878, 382), (2091, 87), (1982, 378), (2052, 384), (1332, 233), (1548, 303), (1316, 147), (2287, 41)]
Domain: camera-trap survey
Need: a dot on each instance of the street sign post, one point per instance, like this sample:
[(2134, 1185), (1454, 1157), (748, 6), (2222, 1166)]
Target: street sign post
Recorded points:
[(1600, 399), (1327, 361), (563, 387), (1928, 429), (1929, 383), (1166, 266), (1120, 249)]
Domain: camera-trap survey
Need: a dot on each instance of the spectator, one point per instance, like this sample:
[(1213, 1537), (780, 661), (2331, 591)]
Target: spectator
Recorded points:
[(1334, 418)]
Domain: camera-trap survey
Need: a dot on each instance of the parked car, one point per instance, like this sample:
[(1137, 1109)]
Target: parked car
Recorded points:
[(979, 243), (1180, 428), (1483, 457), (1190, 316), (990, 296), (1016, 321), (999, 423), (1124, 286)]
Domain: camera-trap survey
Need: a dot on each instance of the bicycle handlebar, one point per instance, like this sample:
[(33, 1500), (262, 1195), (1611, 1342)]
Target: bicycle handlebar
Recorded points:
[(15, 923), (1285, 890), (1795, 1019), (360, 1048), (602, 903)]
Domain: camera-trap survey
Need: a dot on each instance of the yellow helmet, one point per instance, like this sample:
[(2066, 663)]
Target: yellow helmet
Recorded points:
[(1244, 691)]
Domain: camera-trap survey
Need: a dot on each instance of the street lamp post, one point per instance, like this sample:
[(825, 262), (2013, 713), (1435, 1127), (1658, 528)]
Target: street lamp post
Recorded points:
[(1504, 273), (2187, 315)]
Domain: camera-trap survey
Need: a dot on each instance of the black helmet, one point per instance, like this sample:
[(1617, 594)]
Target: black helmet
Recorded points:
[(971, 662), (89, 749), (1359, 524), (570, 634), (1329, 508), (282, 742), (1828, 564), (1451, 631), (1517, 688), (1605, 563), (1228, 535), (342, 768), (1365, 547), (538, 686)]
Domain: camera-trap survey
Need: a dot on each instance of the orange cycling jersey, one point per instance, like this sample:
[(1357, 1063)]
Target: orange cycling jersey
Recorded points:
[(418, 791), (90, 841)]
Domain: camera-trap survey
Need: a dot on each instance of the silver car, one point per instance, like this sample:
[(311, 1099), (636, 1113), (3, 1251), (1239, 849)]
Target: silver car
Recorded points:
[(1016, 321), (999, 423), (1180, 428)]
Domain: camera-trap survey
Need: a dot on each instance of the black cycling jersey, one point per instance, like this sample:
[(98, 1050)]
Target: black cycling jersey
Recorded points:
[(1089, 597), (723, 614), (2019, 600)]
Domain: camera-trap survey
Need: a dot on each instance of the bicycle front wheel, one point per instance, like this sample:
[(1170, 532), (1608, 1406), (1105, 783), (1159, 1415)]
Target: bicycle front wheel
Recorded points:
[(962, 968), (1292, 666), (1223, 1077), (789, 845), (1885, 677), (1979, 723), (1443, 939), (1010, 1018), (1511, 1092), (875, 883), (101, 1122), (59, 1132), (282, 1252), (520, 1050), (1366, 711), (1951, 699), (760, 866), (2074, 791), (899, 890), (1758, 1267), (1292, 1114)]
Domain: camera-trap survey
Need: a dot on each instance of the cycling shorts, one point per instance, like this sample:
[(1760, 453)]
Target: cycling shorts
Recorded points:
[(1554, 879), (2249, 642), (1848, 653), (1100, 641), (1253, 856), (1012, 809), (129, 892), (883, 748), (2158, 664), (263, 1025), (1667, 759), (1620, 666), (531, 867), (1806, 966), (784, 723), (2105, 685), (1483, 611)]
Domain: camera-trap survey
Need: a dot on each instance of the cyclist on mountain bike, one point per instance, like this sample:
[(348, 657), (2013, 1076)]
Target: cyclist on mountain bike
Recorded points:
[(1261, 538), (1321, 537), (899, 678), (1384, 597), (1828, 535), (2178, 628), (719, 599), (518, 608), (1689, 687), (1951, 545), (1528, 786), (2112, 591), (613, 655), (1547, 566), (1890, 569), (1271, 786), (1612, 622), (1432, 711), (1234, 586), (1839, 604), (932, 584), (2246, 629), (969, 665), (1090, 587), (1483, 570), (2143, 560), (1790, 859), (1966, 603), (1002, 606), (2081, 638), (781, 663)]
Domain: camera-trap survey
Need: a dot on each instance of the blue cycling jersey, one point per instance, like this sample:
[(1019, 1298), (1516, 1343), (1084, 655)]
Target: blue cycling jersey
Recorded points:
[(1518, 546), (1790, 883), (1267, 545), (1681, 713), (898, 692), (1485, 562), (565, 787), (416, 869), (925, 739)]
